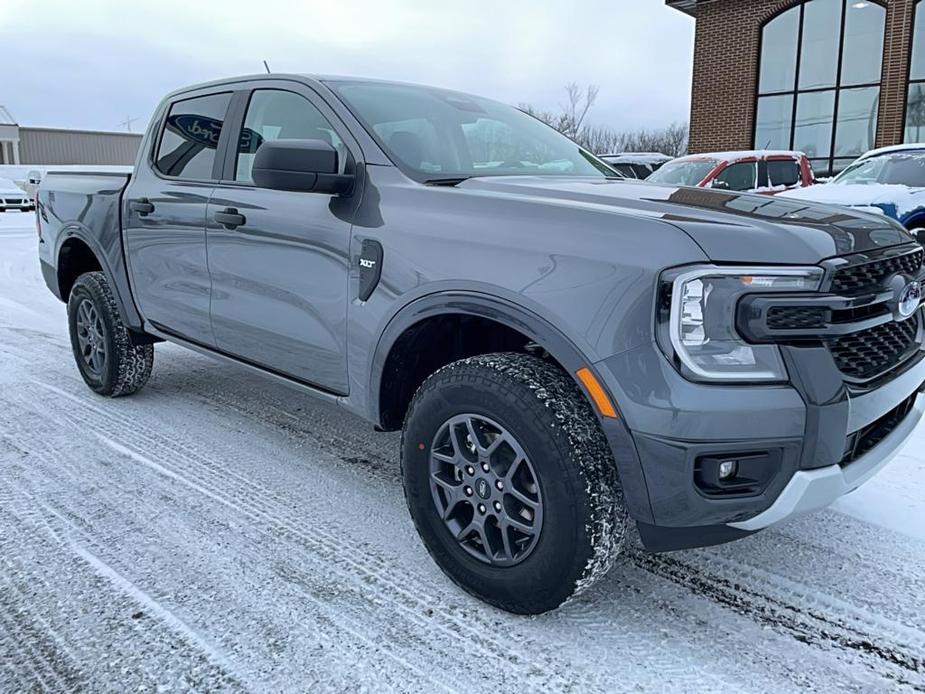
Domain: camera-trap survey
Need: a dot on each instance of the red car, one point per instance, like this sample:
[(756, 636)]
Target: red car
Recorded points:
[(751, 171)]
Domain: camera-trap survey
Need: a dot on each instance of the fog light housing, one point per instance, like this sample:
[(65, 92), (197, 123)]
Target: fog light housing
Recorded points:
[(729, 473), (727, 469)]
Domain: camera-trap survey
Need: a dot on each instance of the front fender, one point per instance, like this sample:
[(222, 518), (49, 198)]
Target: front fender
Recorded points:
[(569, 352)]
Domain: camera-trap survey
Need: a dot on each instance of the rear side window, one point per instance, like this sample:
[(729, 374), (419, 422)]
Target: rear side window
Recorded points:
[(783, 172), (190, 137)]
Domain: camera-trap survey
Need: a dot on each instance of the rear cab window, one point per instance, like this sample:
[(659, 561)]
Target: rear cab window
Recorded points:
[(189, 137)]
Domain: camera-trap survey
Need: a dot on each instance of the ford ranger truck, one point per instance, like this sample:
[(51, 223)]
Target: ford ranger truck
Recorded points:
[(568, 354)]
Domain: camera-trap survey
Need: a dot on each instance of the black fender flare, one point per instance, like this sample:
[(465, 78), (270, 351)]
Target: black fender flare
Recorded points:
[(117, 280), (563, 349)]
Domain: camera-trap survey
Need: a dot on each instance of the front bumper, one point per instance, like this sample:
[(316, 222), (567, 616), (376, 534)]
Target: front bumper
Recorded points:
[(807, 427)]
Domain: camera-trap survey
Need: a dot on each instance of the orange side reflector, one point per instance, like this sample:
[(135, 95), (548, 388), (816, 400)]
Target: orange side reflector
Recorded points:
[(596, 391)]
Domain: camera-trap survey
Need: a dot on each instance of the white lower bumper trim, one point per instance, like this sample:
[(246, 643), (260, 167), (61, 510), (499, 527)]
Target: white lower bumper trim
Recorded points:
[(810, 490)]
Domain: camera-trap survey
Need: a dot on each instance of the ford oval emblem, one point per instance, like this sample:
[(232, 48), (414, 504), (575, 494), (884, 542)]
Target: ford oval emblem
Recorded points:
[(910, 299)]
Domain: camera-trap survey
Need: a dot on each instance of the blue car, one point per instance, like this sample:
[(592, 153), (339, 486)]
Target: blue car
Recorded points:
[(890, 181)]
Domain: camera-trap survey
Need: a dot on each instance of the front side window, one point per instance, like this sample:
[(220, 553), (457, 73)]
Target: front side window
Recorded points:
[(819, 80), (684, 173), (740, 176), (189, 137), (915, 105), (436, 134), (274, 114)]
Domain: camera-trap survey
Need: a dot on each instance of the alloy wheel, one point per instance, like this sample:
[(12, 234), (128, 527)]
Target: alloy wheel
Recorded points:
[(486, 490), (91, 337)]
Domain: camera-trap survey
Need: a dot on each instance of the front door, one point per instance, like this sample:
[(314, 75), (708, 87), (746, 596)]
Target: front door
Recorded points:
[(165, 218), (279, 263)]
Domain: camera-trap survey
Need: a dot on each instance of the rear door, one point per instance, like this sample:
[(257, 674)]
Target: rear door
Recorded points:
[(280, 276), (165, 212), (784, 173)]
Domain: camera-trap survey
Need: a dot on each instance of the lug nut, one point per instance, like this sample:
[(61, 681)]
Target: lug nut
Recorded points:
[(470, 470), (485, 467), (481, 508), (500, 485), (468, 491), (498, 506)]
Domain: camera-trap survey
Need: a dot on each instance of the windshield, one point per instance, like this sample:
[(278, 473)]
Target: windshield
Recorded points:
[(903, 168), (437, 134), (684, 173)]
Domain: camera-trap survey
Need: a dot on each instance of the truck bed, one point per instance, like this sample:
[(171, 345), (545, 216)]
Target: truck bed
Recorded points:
[(83, 208)]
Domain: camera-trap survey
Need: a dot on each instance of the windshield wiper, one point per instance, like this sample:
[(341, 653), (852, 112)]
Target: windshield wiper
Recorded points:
[(449, 181)]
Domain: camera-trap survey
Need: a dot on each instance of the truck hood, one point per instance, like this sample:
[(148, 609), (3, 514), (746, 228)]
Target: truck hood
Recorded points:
[(729, 227)]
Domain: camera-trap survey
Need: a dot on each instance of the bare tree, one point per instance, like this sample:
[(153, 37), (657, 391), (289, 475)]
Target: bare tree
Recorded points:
[(570, 121)]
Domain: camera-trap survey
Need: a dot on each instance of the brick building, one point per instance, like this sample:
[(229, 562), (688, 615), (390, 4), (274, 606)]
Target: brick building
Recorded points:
[(832, 78)]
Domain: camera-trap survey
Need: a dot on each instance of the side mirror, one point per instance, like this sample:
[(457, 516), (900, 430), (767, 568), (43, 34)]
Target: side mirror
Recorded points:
[(304, 166), (720, 185), (919, 235)]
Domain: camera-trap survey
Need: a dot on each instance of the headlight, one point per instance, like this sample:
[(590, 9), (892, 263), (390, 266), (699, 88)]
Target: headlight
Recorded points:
[(697, 321)]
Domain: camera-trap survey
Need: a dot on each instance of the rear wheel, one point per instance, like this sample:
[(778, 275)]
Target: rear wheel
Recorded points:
[(511, 483), (106, 357)]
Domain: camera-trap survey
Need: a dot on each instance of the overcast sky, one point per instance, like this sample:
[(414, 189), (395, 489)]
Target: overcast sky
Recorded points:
[(94, 63)]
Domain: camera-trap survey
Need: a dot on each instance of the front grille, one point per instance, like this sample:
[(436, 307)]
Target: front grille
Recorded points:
[(796, 317), (13, 201), (872, 274), (869, 353), (870, 436)]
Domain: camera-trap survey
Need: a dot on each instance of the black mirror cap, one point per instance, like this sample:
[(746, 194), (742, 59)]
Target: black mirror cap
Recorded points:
[(304, 166)]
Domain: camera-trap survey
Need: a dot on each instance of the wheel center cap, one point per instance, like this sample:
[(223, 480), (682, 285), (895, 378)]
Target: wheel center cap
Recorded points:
[(482, 488)]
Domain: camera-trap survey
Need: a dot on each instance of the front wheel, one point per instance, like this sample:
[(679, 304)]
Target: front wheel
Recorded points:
[(106, 357), (511, 483)]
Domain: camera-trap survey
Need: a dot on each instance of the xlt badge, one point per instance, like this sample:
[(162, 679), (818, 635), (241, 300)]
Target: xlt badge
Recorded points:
[(370, 267)]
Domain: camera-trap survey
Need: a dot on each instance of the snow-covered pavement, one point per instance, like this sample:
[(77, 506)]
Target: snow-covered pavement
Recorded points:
[(218, 531)]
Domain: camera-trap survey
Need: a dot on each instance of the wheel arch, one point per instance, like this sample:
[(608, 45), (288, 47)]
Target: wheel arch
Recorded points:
[(78, 252), (498, 311)]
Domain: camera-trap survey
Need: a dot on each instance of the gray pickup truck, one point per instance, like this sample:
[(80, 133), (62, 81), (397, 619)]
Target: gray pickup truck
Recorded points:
[(565, 351)]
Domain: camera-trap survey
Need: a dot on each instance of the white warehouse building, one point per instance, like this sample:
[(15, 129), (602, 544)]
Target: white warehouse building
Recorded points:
[(43, 146)]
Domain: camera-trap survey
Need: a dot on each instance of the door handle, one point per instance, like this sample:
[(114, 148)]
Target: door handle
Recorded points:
[(142, 206), (230, 218)]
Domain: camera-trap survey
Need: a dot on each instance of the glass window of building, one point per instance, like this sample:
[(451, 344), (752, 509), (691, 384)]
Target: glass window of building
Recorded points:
[(819, 80), (915, 106)]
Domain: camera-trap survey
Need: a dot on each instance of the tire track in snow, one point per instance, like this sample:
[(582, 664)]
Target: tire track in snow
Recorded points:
[(807, 626), (261, 506)]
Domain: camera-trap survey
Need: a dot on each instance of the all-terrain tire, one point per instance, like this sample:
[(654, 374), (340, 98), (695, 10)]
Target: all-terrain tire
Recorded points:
[(583, 515), (125, 367)]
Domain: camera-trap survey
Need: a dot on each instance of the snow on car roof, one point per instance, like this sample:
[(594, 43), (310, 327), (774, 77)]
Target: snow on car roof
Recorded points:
[(638, 157), (745, 154), (893, 148)]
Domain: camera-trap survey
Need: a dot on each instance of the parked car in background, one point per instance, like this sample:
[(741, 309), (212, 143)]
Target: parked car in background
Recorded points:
[(768, 172), (639, 165), (12, 197), (31, 182), (890, 181)]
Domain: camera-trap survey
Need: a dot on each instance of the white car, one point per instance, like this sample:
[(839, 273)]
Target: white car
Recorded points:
[(889, 181), (12, 197)]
